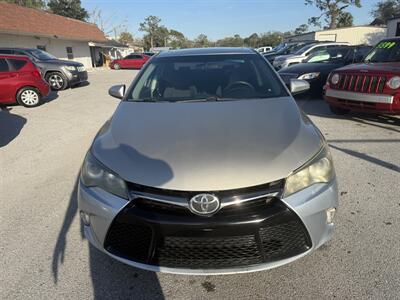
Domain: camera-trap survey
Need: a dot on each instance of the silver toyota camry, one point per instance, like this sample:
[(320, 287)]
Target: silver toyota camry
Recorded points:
[(208, 166)]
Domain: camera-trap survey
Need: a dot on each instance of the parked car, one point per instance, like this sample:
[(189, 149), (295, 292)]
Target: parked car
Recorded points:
[(286, 49), (208, 166), (264, 49), (372, 86), (58, 73), (317, 67), (131, 61), (21, 81), (301, 54), (148, 53)]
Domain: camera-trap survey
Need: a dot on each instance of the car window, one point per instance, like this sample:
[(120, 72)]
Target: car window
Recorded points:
[(386, 51), (16, 64), (130, 56), (214, 77), (41, 55), (304, 49), (6, 51), (3, 65), (328, 55)]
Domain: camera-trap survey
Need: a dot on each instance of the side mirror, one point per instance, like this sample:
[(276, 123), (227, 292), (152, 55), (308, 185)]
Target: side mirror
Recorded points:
[(298, 86), (117, 91)]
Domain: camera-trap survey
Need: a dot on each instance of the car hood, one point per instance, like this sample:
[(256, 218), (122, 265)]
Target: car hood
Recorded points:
[(60, 62), (381, 68), (207, 146)]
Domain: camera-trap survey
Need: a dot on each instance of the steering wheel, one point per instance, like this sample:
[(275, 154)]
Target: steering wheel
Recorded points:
[(238, 85)]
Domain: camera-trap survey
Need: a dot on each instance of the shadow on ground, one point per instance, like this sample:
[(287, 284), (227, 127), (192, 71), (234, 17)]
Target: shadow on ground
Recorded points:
[(10, 126), (110, 278)]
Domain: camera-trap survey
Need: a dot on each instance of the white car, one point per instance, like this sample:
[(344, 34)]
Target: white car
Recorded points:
[(292, 59), (264, 49)]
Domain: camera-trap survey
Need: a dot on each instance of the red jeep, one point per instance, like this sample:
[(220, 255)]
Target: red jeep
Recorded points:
[(372, 86)]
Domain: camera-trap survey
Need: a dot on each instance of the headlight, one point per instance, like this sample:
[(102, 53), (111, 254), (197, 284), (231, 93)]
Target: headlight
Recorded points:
[(309, 76), (94, 174), (70, 68), (335, 79), (318, 170), (394, 83)]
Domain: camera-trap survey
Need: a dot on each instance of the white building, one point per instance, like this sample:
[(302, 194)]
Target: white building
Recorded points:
[(356, 35), (63, 37), (393, 27)]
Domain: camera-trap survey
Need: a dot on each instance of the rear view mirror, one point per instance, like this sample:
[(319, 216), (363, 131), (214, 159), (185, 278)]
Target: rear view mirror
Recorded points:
[(117, 91), (298, 86)]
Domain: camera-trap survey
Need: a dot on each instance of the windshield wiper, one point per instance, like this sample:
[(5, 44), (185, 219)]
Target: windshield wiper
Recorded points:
[(210, 98)]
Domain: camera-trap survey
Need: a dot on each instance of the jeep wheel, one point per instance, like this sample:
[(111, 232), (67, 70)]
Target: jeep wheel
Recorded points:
[(56, 80)]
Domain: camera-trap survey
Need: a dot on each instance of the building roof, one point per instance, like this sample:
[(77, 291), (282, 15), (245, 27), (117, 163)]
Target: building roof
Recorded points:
[(335, 29), (15, 19), (205, 51)]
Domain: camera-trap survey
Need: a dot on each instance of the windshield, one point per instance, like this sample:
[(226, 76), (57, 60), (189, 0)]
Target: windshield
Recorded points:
[(41, 55), (386, 51), (303, 49), (330, 55), (207, 78)]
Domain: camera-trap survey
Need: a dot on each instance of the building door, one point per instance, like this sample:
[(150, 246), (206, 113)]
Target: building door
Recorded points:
[(398, 29)]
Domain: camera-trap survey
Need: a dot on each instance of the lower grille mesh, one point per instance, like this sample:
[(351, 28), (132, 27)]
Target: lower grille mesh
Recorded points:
[(194, 251)]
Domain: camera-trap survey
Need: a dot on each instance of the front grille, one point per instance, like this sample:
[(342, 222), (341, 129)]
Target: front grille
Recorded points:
[(264, 232), (361, 83)]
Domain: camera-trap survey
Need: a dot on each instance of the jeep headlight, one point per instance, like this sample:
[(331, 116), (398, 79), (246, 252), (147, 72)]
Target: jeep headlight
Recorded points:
[(309, 76), (94, 174), (70, 68), (394, 83), (318, 170)]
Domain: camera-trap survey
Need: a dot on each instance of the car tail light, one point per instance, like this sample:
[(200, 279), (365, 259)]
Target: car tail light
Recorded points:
[(36, 73)]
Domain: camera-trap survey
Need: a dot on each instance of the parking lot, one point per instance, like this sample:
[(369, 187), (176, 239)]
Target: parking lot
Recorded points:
[(45, 256)]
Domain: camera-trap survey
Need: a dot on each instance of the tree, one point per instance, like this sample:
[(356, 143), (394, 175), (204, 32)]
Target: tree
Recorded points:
[(68, 8), (303, 28), (252, 41), (345, 20), (202, 41), (126, 38), (177, 40), (231, 41), (331, 10), (150, 26), (386, 9), (270, 39), (107, 25), (29, 3)]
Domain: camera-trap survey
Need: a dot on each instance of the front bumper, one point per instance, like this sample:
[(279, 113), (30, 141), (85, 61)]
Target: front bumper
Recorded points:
[(76, 77), (307, 209), (363, 102)]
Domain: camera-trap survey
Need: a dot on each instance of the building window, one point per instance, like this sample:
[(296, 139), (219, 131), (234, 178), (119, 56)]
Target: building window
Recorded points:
[(70, 54), (398, 29), (41, 47)]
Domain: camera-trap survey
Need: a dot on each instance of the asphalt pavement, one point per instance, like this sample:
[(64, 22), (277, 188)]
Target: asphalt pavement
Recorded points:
[(45, 256)]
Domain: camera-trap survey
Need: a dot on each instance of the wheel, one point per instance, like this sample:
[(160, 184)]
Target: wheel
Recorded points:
[(338, 110), (117, 67), (56, 80), (29, 97)]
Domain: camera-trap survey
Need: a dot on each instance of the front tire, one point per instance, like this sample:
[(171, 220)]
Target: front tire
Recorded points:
[(29, 97), (117, 67), (57, 81), (338, 110)]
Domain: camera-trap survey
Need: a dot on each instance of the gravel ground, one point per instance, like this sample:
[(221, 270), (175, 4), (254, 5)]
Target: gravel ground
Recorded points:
[(45, 256)]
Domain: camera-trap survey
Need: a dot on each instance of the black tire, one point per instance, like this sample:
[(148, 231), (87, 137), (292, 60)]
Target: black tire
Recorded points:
[(57, 81), (338, 110), (29, 97), (117, 67)]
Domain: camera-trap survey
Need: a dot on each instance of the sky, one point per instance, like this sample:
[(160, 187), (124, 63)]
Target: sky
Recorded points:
[(217, 18)]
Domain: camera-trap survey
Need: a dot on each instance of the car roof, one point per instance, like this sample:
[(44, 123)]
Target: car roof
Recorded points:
[(14, 48), (206, 51), (24, 57)]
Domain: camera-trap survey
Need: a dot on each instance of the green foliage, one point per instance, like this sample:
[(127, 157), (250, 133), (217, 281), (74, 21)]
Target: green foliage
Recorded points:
[(303, 28), (29, 3), (202, 41), (386, 9), (126, 38), (68, 8), (345, 20), (331, 10)]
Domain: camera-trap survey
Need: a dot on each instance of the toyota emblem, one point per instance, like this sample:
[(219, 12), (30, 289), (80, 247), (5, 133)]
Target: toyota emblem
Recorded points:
[(204, 204)]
